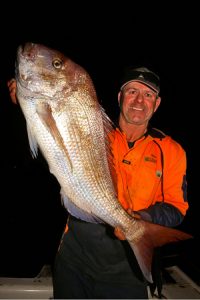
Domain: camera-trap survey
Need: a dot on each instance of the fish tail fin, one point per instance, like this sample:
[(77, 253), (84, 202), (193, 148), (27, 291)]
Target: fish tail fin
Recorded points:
[(153, 236)]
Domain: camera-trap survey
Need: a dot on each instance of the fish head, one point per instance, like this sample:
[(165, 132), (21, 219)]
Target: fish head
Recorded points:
[(46, 72)]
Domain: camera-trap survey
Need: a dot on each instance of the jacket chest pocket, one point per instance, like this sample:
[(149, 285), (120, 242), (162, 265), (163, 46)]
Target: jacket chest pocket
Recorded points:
[(143, 183)]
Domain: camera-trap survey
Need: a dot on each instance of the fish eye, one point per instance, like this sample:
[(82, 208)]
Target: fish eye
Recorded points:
[(57, 63)]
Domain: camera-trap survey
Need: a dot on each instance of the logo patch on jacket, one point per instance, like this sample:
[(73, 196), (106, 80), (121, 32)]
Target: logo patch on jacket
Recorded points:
[(125, 161), (150, 159)]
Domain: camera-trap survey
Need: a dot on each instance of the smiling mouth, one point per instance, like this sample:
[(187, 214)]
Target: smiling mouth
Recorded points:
[(136, 108)]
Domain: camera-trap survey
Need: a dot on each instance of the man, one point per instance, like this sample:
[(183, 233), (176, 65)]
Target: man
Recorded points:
[(151, 184)]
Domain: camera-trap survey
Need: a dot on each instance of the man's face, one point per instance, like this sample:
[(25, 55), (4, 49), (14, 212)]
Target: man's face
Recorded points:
[(138, 102)]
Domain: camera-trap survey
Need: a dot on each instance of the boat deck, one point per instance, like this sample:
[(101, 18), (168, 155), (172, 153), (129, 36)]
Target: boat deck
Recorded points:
[(177, 285)]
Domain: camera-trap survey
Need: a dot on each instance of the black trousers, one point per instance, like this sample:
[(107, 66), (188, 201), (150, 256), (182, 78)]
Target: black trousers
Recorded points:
[(92, 264)]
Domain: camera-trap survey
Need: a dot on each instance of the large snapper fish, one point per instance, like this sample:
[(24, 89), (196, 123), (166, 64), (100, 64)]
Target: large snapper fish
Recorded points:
[(65, 120)]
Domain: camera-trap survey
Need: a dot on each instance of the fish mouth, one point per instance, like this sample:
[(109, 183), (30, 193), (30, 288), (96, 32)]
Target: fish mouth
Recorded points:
[(26, 53)]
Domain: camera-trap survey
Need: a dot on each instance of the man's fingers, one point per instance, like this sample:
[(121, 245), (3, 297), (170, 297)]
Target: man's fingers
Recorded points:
[(133, 214), (119, 234), (11, 82), (12, 90)]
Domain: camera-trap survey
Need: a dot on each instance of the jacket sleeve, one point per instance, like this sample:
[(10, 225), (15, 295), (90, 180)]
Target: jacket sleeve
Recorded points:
[(163, 214), (170, 206), (174, 176)]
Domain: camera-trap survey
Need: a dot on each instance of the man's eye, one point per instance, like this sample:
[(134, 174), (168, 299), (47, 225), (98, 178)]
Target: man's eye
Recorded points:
[(148, 95), (132, 92)]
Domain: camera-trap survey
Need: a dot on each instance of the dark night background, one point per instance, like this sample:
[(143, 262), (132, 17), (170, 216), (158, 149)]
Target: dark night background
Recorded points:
[(103, 40)]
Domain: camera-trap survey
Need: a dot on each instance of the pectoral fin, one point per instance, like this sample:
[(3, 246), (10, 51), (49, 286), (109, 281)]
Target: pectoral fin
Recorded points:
[(45, 113)]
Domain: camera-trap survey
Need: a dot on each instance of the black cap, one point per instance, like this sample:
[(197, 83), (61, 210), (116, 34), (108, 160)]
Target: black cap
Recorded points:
[(142, 75)]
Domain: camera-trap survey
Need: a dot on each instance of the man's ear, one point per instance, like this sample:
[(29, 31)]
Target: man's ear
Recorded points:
[(119, 97), (158, 100)]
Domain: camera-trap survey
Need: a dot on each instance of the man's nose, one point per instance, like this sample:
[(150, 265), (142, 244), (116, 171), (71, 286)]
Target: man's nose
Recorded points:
[(140, 97)]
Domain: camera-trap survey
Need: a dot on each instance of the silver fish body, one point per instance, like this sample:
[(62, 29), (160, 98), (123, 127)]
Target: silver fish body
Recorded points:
[(65, 120)]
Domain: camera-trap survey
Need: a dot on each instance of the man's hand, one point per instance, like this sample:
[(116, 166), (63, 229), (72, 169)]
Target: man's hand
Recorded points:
[(118, 232), (12, 89)]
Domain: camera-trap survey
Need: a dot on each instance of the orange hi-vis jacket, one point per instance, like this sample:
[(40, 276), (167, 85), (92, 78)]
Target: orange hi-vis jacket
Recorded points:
[(153, 170)]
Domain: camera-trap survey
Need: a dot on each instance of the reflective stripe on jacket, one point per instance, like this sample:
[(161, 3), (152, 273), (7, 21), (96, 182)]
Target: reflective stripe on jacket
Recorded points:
[(153, 170)]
